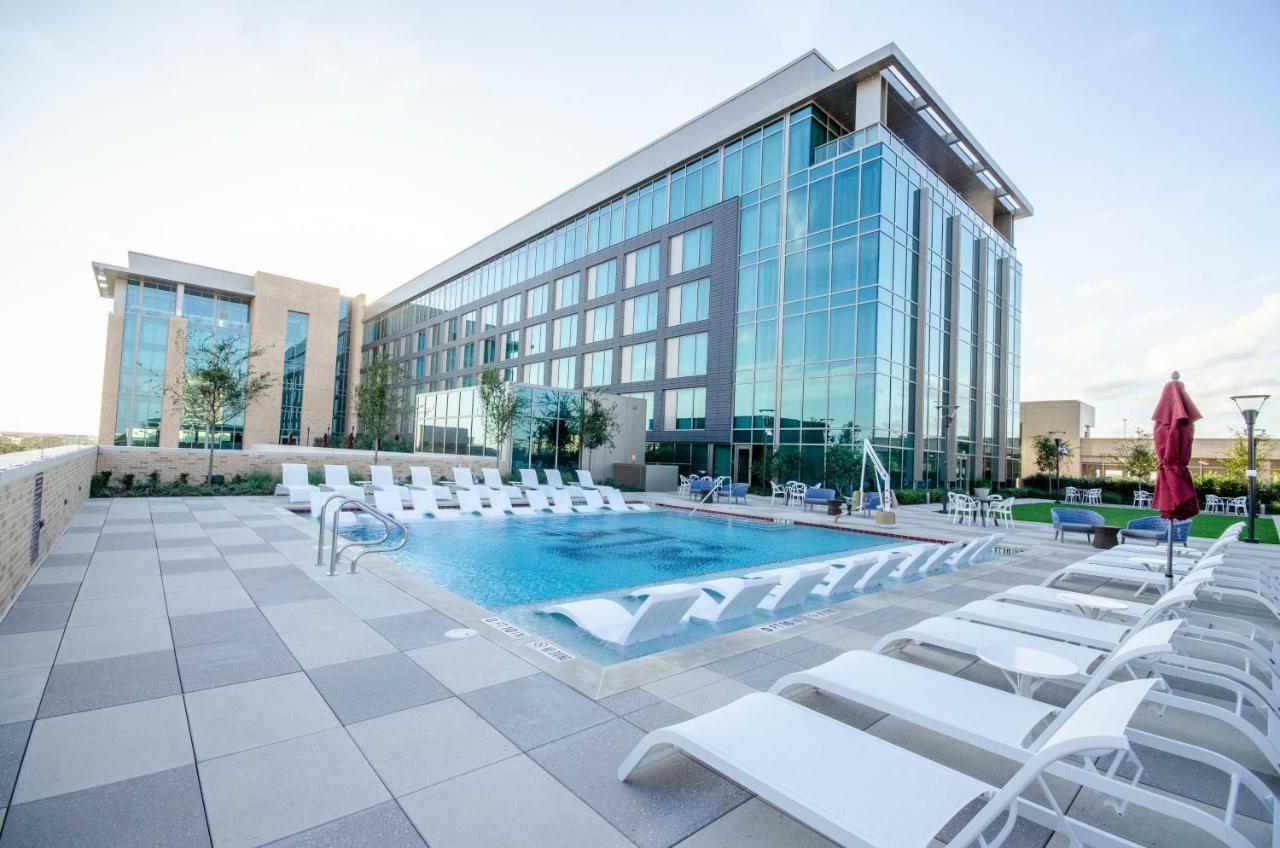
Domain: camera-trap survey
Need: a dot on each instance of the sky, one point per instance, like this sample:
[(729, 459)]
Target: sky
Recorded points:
[(360, 144)]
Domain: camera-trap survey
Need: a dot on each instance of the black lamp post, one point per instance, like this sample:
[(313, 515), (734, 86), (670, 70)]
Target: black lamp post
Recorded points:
[(1250, 406), (946, 413), (1057, 465)]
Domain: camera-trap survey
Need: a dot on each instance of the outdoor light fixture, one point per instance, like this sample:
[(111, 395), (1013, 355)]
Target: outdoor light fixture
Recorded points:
[(1250, 407)]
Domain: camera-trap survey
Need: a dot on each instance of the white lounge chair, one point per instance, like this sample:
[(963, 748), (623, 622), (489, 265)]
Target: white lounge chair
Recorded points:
[(860, 790), (424, 504), (795, 583), (529, 480), (295, 479), (856, 574), (660, 615), (538, 503), (420, 478), (594, 500), (618, 503), (493, 480), (926, 558), (320, 502), (974, 552), (729, 598), (499, 501), (469, 504), (390, 503), (382, 478), (556, 482), (337, 480), (463, 478), (564, 502), (584, 479)]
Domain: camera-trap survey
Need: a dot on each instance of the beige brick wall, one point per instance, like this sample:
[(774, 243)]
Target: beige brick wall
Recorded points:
[(110, 380), (171, 462), (66, 486), (175, 361)]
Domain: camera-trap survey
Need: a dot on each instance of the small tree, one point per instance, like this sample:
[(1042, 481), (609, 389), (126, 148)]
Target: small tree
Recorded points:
[(842, 467), (784, 466), (1235, 462), (217, 385), (1137, 457), (500, 406), (597, 423), (1048, 453), (378, 406)]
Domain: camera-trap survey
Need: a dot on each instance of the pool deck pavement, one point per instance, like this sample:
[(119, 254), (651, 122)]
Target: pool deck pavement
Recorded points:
[(179, 672)]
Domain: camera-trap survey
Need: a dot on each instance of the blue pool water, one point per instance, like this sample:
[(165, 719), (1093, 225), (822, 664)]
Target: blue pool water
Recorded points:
[(516, 566)]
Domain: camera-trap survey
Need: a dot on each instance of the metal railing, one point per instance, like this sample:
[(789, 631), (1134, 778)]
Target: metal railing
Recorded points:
[(715, 487), (370, 546)]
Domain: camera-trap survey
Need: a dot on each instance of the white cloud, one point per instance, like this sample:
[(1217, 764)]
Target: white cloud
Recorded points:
[(1084, 291)]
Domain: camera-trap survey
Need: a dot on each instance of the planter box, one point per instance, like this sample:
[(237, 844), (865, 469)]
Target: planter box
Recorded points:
[(885, 518)]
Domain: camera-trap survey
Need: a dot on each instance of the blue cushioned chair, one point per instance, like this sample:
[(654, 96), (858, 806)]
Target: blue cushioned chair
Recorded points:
[(1066, 520), (818, 496), (1153, 528), (739, 492)]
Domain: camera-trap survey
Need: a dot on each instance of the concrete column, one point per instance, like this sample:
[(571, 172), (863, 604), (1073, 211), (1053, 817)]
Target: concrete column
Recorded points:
[(174, 366), (110, 380), (953, 345), (980, 378), (355, 341), (870, 103), (922, 332)]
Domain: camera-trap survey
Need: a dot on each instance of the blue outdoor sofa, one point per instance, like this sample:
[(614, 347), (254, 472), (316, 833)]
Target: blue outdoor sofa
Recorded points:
[(1066, 520), (1154, 529)]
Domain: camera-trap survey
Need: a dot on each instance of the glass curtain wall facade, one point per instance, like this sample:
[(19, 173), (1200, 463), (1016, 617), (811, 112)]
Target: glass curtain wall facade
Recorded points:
[(291, 379), (143, 350), (211, 318), (341, 367), (868, 294), (543, 436)]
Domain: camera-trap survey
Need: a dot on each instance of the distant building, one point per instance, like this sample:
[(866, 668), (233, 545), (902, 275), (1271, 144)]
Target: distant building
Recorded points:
[(1095, 456)]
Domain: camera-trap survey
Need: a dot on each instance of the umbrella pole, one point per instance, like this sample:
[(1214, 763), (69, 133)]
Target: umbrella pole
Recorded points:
[(1168, 565)]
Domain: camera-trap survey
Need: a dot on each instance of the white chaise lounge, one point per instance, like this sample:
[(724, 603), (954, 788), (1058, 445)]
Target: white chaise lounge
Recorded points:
[(338, 481), (727, 599), (618, 503), (660, 615), (296, 480), (795, 583), (383, 479)]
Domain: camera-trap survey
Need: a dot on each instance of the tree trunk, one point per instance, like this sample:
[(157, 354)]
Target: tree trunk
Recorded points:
[(377, 444), (208, 443)]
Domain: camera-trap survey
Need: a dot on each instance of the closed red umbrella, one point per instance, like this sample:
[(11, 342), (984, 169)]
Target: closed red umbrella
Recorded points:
[(1175, 420)]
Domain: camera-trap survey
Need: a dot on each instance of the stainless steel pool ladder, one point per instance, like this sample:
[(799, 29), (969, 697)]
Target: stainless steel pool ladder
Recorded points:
[(370, 546)]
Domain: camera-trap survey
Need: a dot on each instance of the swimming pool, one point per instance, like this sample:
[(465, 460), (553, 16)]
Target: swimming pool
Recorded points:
[(516, 566)]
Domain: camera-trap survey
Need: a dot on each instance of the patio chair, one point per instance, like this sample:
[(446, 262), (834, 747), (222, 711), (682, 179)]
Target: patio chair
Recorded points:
[(700, 487), (1213, 503), (683, 487), (529, 480), (320, 503), (618, 503), (594, 500), (1142, 498), (660, 615), (1093, 496), (469, 504), (387, 501), (856, 574), (1154, 529), (564, 503), (1001, 510), (870, 503), (337, 481), (1238, 506), (1227, 537), (554, 480), (538, 503), (963, 507), (463, 478), (776, 492), (738, 493), (296, 481), (795, 493), (1073, 495), (1074, 521), (500, 502), (969, 553), (493, 481), (794, 585), (382, 478), (424, 504), (817, 496), (584, 479), (859, 789), (925, 559), (730, 598)]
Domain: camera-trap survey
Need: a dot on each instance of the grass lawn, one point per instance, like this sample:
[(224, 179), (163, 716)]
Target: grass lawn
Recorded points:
[(1206, 526)]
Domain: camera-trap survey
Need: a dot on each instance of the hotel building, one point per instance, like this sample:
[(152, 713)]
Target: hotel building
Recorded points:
[(825, 257)]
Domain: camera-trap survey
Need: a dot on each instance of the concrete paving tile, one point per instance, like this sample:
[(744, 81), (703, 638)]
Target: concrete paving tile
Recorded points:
[(712, 697), (56, 560), (629, 701), (13, 742), (93, 611), (532, 711), (365, 688), (80, 686), (26, 618), (125, 542), (112, 586), (816, 655), (48, 593), (224, 626), (281, 533), (279, 585), (458, 740), (224, 663), (738, 663), (685, 681), (300, 615), (170, 541), (202, 551), (278, 790), (249, 562), (381, 602), (660, 714), (763, 676), (533, 810), (194, 565), (49, 575), (465, 665), (318, 646), (23, 650), (784, 648), (201, 581), (228, 719), (383, 826), (160, 809), (20, 692), (82, 750), (755, 823), (101, 641), (664, 802), (218, 600), (414, 629)]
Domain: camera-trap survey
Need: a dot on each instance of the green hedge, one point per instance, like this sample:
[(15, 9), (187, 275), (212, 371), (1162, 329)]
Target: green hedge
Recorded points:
[(1121, 491), (128, 486)]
